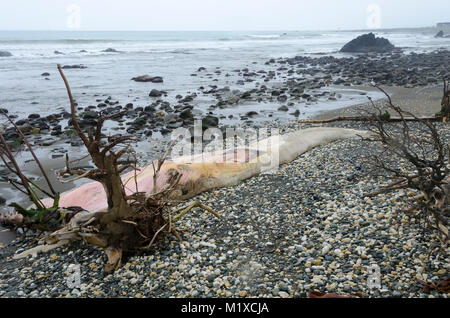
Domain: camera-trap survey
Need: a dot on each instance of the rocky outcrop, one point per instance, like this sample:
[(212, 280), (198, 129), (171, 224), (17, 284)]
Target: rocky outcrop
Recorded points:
[(110, 50), (367, 43), (441, 34)]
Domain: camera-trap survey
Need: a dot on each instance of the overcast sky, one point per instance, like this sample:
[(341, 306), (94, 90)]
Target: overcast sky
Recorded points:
[(219, 14)]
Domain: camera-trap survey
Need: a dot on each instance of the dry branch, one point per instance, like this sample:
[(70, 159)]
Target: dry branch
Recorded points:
[(427, 154)]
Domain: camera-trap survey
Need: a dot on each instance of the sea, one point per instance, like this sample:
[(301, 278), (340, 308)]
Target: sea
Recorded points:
[(173, 55)]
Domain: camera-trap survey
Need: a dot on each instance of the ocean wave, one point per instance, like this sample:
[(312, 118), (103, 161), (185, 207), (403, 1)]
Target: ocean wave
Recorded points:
[(60, 41), (264, 36)]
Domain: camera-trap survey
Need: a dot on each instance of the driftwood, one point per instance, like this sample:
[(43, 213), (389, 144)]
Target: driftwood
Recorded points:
[(440, 287), (443, 115), (365, 119), (318, 294)]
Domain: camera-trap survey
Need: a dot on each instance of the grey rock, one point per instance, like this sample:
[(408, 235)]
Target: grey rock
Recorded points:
[(368, 43), (5, 54), (110, 50), (148, 78), (440, 34), (155, 93), (209, 122)]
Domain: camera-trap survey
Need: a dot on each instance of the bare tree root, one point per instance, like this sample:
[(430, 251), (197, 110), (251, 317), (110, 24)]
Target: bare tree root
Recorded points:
[(427, 154)]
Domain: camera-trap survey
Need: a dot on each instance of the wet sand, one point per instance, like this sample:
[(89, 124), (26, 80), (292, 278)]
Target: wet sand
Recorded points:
[(423, 101)]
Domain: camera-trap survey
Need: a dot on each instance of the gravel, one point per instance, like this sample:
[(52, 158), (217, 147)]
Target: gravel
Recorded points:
[(304, 227)]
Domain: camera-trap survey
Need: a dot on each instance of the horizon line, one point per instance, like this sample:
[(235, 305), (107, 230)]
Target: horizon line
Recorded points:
[(240, 30)]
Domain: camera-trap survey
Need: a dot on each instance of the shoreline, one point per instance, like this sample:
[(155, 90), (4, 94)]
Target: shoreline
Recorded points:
[(425, 101), (280, 245)]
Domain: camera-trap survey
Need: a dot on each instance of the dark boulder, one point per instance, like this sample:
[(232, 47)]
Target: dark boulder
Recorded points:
[(186, 114), (110, 50), (440, 34), (91, 114), (157, 79), (368, 43), (5, 54), (21, 122), (210, 122), (155, 93), (45, 74), (147, 78)]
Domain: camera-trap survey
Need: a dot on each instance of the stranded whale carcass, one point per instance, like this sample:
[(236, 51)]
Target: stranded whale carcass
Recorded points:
[(212, 170)]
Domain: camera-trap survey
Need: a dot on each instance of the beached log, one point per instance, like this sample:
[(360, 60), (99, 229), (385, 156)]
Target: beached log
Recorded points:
[(385, 116), (365, 119)]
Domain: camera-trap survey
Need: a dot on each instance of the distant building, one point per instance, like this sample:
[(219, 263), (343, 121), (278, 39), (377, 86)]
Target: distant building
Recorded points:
[(444, 26)]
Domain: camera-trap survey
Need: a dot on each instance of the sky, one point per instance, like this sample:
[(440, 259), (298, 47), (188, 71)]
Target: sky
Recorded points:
[(214, 15)]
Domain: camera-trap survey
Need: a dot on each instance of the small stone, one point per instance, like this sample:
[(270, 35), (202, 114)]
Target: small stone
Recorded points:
[(283, 294)]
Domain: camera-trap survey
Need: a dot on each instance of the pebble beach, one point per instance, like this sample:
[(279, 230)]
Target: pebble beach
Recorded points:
[(306, 227)]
